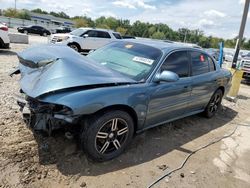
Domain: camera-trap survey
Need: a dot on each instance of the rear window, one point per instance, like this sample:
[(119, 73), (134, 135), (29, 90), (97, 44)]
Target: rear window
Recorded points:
[(117, 35), (103, 34), (200, 63)]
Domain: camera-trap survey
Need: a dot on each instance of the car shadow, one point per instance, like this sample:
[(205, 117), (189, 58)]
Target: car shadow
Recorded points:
[(151, 144)]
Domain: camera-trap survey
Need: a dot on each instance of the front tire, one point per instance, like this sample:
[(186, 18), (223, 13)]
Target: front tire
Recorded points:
[(26, 32), (107, 135), (214, 104), (74, 47)]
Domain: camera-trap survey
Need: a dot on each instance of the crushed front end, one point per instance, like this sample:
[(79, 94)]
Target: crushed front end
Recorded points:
[(41, 116)]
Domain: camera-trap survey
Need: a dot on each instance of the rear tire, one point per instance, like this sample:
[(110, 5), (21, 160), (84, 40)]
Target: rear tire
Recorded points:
[(214, 104), (45, 34), (107, 135)]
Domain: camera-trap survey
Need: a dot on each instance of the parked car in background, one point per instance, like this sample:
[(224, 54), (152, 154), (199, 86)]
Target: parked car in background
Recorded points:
[(128, 37), (186, 44), (118, 90), (245, 66), (86, 39), (4, 37), (34, 29), (228, 56), (63, 30), (213, 52)]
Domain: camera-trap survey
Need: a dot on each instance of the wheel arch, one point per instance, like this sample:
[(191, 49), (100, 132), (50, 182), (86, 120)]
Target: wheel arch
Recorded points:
[(222, 89), (1, 42), (75, 43), (121, 107)]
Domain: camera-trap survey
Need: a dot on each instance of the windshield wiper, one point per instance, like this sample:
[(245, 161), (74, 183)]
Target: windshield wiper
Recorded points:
[(111, 62)]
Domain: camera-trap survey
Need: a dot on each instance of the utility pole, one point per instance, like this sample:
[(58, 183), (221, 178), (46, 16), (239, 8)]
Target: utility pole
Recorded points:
[(15, 5), (237, 74), (241, 32), (185, 37)]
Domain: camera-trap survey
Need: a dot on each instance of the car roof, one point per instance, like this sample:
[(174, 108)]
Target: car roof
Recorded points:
[(97, 29), (162, 45)]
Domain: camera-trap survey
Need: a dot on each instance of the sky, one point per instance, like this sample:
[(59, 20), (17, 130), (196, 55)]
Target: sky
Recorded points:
[(219, 18)]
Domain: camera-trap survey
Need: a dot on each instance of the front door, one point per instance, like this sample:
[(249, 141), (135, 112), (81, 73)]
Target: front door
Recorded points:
[(169, 100)]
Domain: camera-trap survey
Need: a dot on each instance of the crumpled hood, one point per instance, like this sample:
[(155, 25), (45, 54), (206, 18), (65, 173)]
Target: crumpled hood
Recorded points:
[(62, 68)]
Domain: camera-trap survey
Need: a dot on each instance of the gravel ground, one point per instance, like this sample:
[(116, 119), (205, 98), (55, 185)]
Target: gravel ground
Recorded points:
[(30, 159)]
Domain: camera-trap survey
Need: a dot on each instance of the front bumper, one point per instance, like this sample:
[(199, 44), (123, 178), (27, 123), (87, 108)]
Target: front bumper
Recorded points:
[(41, 120)]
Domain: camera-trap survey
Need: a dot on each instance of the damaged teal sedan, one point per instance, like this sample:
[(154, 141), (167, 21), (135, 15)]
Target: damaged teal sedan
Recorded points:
[(116, 91)]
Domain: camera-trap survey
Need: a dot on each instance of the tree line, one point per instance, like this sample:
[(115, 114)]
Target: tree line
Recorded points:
[(138, 29)]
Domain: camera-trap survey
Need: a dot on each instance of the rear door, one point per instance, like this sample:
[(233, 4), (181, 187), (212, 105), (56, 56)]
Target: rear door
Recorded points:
[(204, 81), (33, 29), (169, 100)]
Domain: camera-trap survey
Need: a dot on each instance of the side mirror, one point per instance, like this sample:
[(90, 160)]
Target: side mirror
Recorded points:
[(85, 36), (166, 76)]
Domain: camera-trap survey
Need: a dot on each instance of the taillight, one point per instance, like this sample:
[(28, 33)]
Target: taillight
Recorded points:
[(4, 28)]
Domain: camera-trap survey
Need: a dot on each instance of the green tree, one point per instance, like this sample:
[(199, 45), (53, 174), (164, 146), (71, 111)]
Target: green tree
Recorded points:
[(151, 31), (40, 11), (79, 22), (121, 30), (111, 22), (139, 29), (10, 12), (158, 35), (89, 21), (23, 14)]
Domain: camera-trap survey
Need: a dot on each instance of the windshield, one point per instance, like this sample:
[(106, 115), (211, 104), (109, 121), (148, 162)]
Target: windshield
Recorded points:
[(131, 59), (77, 32)]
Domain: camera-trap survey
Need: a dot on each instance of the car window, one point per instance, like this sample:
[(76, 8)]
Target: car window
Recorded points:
[(103, 34), (92, 33), (177, 62), (117, 35), (78, 32), (211, 64), (200, 63)]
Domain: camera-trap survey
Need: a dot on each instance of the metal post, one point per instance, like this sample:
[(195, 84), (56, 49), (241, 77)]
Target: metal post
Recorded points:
[(221, 45), (185, 37), (237, 74), (241, 32)]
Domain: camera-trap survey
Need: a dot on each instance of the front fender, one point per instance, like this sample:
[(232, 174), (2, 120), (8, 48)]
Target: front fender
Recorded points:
[(89, 101)]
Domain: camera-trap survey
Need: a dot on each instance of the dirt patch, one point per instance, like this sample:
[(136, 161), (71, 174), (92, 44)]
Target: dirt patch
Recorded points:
[(30, 159)]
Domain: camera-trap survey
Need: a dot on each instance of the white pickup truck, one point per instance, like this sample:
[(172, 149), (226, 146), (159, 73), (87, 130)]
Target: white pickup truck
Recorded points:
[(86, 39), (245, 66)]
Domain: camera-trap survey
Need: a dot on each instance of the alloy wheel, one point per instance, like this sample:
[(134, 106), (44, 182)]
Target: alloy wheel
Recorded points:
[(111, 136), (214, 104), (74, 47)]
